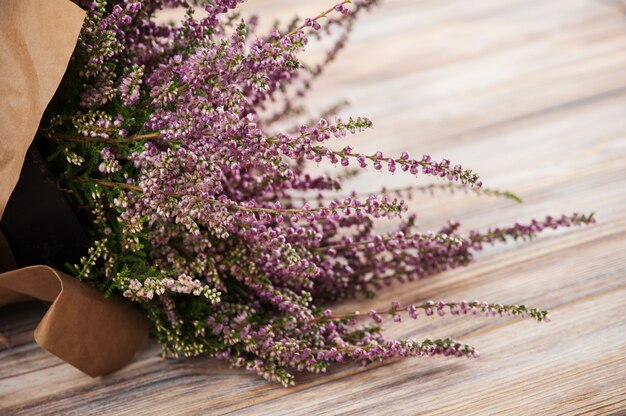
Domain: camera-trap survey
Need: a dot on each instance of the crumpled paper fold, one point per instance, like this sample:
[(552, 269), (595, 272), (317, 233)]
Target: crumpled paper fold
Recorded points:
[(94, 334)]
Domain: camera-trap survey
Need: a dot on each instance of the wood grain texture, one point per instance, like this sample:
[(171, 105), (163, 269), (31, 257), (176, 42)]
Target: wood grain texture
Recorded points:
[(532, 94)]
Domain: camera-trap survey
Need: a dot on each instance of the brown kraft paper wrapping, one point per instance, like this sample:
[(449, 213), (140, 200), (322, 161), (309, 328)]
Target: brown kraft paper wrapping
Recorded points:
[(94, 334)]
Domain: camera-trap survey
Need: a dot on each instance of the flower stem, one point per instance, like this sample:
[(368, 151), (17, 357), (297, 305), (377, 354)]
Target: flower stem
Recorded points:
[(60, 137), (316, 18), (274, 211)]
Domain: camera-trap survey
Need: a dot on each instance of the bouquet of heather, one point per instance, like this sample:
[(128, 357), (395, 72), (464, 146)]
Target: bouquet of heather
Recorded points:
[(164, 138)]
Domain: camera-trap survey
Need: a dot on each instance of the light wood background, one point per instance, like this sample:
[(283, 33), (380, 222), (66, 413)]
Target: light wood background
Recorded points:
[(531, 94)]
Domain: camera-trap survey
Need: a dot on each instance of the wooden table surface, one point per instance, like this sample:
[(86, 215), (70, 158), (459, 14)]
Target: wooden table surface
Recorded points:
[(532, 95)]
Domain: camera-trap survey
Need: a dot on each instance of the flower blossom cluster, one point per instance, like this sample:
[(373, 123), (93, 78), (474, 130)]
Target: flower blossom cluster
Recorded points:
[(442, 308), (198, 211), (184, 284)]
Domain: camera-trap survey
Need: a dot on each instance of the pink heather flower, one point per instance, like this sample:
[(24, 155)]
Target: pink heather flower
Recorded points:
[(375, 316), (205, 210), (341, 8)]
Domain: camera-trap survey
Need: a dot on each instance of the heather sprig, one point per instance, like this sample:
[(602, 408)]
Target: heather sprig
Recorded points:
[(196, 208), (442, 308), (409, 192)]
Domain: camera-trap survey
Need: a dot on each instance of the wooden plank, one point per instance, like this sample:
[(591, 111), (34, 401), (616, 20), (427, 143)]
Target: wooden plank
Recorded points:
[(533, 96)]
